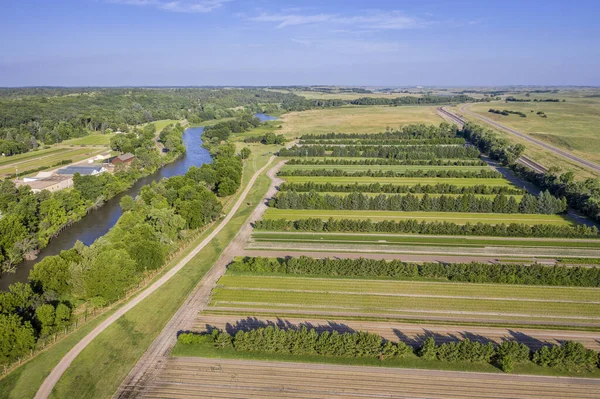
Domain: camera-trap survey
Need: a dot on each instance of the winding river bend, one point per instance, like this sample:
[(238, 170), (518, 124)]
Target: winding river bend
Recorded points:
[(98, 222)]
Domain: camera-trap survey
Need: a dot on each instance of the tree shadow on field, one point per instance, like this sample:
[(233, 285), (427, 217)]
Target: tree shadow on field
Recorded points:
[(418, 339), (252, 323), (476, 337), (522, 338)]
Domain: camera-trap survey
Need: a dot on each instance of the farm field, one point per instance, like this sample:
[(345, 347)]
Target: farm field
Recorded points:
[(441, 301), (92, 139), (51, 159), (405, 181), (571, 125), (356, 119), (475, 242), (455, 217), (16, 159), (249, 378)]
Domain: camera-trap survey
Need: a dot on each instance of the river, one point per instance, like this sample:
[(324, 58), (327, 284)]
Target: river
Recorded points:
[(98, 222)]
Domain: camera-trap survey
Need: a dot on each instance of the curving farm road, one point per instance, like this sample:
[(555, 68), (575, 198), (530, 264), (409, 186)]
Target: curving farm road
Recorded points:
[(50, 381), (558, 151)]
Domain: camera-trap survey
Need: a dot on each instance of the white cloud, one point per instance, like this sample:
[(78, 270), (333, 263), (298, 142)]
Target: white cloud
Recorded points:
[(187, 6), (377, 20)]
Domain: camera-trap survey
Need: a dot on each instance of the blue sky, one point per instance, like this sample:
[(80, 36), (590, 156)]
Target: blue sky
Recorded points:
[(277, 42)]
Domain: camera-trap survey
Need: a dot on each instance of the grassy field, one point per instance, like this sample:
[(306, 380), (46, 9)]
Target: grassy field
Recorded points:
[(49, 159), (571, 125), (355, 119), (92, 139), (473, 242), (533, 151), (455, 217), (16, 159), (100, 368), (379, 297), (404, 181), (396, 168)]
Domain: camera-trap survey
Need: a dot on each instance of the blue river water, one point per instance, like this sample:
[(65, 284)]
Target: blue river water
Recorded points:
[(98, 222)]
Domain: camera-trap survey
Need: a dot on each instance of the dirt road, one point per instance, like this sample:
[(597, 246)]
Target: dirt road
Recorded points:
[(155, 357), (228, 378), (558, 151), (50, 381)]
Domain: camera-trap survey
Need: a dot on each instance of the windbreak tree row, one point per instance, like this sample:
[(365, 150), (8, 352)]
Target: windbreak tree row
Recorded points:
[(440, 188), (393, 152), (381, 141), (412, 226), (387, 161), (473, 272), (485, 173), (571, 356), (407, 132), (544, 203)]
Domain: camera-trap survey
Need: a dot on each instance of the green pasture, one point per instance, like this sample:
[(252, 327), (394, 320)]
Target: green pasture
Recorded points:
[(16, 159), (368, 297), (92, 139), (404, 181), (74, 154), (468, 241), (455, 217)]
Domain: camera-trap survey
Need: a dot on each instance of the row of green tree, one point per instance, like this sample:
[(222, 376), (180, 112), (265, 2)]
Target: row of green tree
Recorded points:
[(393, 152), (582, 195), (222, 130), (414, 100), (406, 132), (544, 203), (372, 141), (302, 341), (440, 188), (486, 173), (489, 143), (387, 161), (570, 355), (411, 226), (474, 272), (526, 100)]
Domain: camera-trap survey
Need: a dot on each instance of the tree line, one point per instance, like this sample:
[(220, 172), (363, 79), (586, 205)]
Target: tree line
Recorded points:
[(394, 152), (440, 188), (544, 203), (372, 141), (302, 341), (474, 272), (537, 100), (387, 161), (489, 143), (406, 132), (582, 195), (412, 226), (569, 355), (413, 100), (443, 173)]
